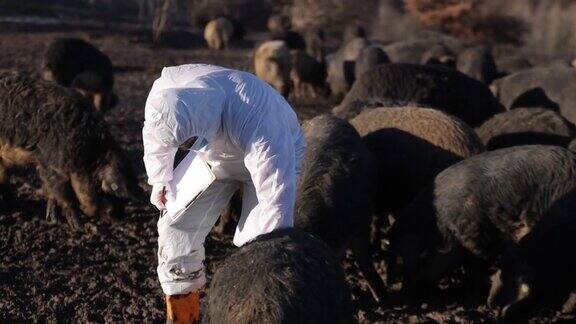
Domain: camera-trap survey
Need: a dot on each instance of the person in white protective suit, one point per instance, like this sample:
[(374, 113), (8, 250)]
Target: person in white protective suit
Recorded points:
[(249, 136)]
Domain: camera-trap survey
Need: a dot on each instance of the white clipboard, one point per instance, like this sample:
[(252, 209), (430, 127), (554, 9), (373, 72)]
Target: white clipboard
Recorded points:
[(190, 179)]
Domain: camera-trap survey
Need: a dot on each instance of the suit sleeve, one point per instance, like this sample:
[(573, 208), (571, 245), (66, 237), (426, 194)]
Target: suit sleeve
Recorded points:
[(270, 158), (158, 156)]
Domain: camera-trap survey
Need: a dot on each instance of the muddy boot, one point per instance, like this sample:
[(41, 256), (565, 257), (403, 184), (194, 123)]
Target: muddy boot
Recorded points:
[(183, 309)]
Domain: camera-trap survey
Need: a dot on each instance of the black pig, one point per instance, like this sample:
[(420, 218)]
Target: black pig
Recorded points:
[(286, 276)]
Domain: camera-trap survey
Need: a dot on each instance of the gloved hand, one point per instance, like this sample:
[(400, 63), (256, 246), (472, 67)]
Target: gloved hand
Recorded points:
[(161, 193)]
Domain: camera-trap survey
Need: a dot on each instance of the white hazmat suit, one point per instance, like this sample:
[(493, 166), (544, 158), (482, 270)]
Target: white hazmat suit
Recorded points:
[(253, 140)]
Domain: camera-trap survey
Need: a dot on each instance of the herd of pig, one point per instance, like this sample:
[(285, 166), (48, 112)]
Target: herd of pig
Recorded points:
[(455, 159)]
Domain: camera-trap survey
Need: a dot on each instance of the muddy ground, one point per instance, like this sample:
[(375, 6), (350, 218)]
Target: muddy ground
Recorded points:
[(106, 272)]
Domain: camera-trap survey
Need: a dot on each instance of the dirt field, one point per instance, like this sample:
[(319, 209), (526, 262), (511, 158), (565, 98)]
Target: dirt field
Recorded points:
[(106, 272)]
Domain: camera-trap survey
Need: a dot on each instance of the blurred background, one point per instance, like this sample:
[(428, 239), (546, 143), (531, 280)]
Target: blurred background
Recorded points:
[(548, 25)]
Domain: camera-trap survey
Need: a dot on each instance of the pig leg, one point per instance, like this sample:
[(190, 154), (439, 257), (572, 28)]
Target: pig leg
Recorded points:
[(91, 204), (85, 193), (4, 191), (522, 309), (3, 173), (440, 263), (476, 281), (361, 248), (230, 214), (379, 225), (59, 194), (297, 91), (312, 91), (306, 90), (225, 218), (569, 306), (103, 101), (52, 209)]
